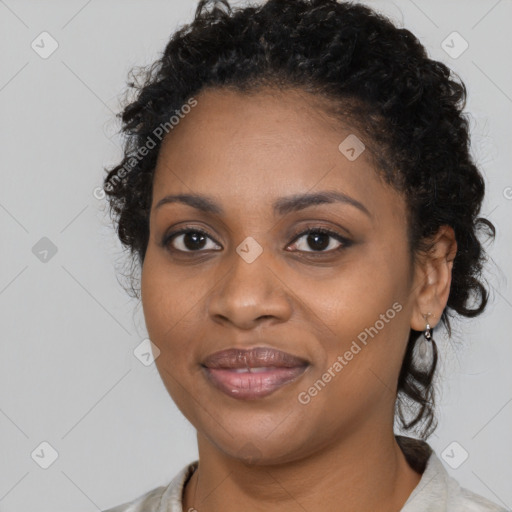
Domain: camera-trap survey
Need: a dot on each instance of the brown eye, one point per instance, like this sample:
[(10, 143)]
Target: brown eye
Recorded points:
[(318, 240), (188, 240)]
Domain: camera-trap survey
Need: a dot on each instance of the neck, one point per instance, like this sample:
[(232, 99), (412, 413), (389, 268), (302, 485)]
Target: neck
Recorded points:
[(364, 472)]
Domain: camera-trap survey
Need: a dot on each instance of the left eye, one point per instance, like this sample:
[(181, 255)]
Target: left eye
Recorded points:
[(318, 238)]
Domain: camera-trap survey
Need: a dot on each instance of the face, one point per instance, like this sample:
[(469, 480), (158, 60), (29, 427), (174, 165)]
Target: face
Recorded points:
[(247, 275)]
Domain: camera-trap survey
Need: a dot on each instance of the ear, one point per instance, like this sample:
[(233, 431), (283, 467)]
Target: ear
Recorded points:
[(432, 279)]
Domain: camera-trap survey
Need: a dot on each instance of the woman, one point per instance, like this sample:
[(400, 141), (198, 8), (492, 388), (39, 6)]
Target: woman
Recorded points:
[(298, 193)]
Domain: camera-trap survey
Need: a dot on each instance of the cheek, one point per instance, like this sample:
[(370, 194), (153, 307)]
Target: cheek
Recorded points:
[(358, 314), (170, 298), (168, 308), (352, 296)]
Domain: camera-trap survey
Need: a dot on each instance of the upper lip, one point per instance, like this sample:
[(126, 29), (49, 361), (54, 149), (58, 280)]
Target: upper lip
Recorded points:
[(253, 358)]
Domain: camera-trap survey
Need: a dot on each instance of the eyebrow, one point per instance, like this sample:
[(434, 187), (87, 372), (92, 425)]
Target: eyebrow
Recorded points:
[(281, 206)]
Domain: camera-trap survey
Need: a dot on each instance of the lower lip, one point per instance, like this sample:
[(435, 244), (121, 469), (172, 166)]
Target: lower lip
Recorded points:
[(250, 386)]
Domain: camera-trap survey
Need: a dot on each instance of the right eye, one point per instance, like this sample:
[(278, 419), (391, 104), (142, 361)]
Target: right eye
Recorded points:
[(187, 240)]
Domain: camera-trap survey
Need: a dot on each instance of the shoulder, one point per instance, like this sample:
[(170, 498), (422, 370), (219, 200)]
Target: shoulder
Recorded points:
[(437, 490), (148, 502), (462, 499), (166, 498)]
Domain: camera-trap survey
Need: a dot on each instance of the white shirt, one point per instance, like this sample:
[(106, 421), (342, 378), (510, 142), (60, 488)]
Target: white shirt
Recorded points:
[(436, 491)]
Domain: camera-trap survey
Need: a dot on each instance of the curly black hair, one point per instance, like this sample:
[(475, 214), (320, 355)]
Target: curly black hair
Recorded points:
[(373, 75)]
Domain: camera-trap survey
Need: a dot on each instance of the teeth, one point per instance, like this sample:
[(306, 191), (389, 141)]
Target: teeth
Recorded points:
[(251, 370)]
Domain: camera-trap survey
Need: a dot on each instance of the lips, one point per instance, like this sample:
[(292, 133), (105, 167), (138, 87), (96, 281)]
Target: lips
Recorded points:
[(252, 373), (259, 357)]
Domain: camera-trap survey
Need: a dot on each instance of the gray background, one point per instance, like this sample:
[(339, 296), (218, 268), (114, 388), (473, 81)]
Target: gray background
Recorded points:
[(68, 373)]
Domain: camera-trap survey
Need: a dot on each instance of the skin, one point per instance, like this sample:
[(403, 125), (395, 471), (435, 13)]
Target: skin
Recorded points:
[(246, 151)]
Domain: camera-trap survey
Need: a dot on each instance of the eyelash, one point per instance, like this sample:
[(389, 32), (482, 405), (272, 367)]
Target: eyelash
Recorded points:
[(345, 243)]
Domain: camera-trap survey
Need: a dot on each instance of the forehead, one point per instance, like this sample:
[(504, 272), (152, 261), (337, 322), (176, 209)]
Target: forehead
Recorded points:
[(254, 148)]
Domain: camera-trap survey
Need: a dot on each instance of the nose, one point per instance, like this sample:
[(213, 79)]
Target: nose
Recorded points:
[(250, 293)]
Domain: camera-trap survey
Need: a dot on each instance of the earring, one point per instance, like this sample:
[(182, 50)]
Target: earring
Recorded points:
[(424, 343), (424, 349)]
